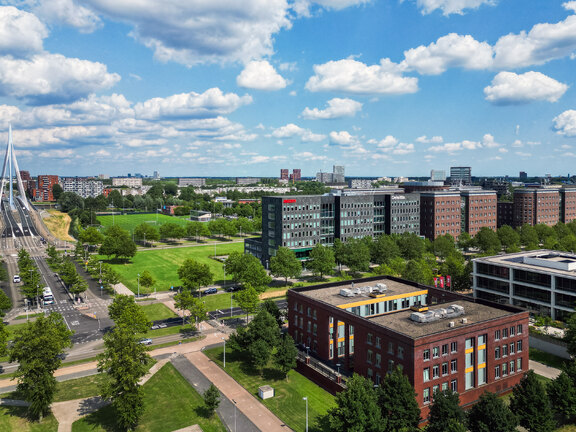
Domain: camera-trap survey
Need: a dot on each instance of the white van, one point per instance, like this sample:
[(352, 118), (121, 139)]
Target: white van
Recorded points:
[(16, 279)]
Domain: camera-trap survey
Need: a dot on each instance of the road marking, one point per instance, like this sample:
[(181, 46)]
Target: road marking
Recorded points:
[(75, 323)]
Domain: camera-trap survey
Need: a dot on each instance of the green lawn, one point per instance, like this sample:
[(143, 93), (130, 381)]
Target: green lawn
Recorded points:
[(129, 222), (163, 411), (157, 311), (546, 358), (13, 419), (163, 264), (287, 403)]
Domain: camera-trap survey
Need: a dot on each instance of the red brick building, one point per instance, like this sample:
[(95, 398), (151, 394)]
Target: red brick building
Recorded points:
[(367, 326), (43, 190), (479, 210), (567, 204), (534, 206), (440, 214), (505, 213)]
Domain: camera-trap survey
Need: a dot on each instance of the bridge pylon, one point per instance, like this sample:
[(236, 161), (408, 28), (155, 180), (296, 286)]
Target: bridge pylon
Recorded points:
[(10, 170)]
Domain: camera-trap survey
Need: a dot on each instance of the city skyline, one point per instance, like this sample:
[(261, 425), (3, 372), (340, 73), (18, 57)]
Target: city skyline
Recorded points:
[(196, 88)]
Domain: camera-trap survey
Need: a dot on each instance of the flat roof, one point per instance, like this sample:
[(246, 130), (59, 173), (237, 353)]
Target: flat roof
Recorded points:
[(541, 261), (473, 312), (331, 294)]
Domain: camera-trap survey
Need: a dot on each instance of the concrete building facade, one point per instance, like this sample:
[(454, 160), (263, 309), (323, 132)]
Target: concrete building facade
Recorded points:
[(461, 175), (189, 181), (85, 187), (542, 281), (370, 326), (131, 182)]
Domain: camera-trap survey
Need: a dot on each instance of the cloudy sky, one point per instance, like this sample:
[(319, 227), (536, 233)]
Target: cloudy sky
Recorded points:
[(233, 88)]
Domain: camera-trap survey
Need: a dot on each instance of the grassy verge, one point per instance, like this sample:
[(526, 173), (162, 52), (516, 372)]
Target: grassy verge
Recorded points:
[(23, 317), (14, 419), (59, 224), (157, 311), (546, 358), (163, 412), (287, 403)]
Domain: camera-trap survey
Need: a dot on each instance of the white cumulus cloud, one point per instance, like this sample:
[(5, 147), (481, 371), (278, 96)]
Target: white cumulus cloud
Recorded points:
[(21, 33), (565, 123), (291, 130), (509, 88), (449, 51), (337, 108), (449, 7), (433, 140), (52, 78), (352, 76), (65, 12), (260, 75), (343, 138)]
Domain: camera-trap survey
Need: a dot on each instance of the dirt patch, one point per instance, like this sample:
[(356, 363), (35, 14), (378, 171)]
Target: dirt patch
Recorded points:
[(59, 223), (272, 294)]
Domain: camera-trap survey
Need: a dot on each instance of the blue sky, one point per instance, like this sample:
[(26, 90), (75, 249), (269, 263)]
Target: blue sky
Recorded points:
[(237, 88)]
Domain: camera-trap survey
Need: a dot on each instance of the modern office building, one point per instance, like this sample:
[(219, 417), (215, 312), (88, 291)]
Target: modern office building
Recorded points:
[(190, 181), (83, 186), (336, 176), (460, 175), (441, 340), (300, 222), (360, 183), (132, 182), (479, 209), (542, 281), (438, 175)]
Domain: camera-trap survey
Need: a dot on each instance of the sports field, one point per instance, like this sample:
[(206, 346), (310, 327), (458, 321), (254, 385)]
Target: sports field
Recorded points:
[(129, 222), (163, 264)]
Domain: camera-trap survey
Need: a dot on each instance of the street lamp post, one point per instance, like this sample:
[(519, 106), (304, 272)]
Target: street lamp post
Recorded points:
[(306, 399), (224, 352), (338, 366), (138, 285), (100, 280), (235, 430)]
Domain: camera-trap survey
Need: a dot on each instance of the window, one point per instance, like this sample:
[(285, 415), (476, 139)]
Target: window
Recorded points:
[(445, 349), (369, 356), (426, 395), (314, 329), (512, 346), (369, 338), (308, 326), (454, 385), (378, 360), (469, 359), (444, 368), (341, 348), (519, 346), (435, 371), (469, 343), (435, 352), (519, 364), (497, 335), (482, 340), (426, 376), (481, 376), (445, 386), (425, 354), (308, 311), (400, 352), (377, 342), (504, 369), (512, 363), (390, 366), (453, 347), (519, 329), (504, 333), (469, 380), (435, 389), (481, 356), (504, 350), (295, 320), (454, 366), (391, 349), (497, 353), (497, 372), (512, 331)]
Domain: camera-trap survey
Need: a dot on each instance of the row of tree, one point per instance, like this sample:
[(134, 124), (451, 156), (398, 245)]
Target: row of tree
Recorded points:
[(29, 275)]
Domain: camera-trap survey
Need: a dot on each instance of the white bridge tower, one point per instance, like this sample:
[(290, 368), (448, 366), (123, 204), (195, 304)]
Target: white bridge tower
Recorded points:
[(11, 168)]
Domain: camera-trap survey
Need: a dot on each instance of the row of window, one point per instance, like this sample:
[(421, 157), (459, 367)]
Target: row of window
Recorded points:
[(444, 386), (445, 368), (453, 347), (504, 350), (508, 331), (506, 368)]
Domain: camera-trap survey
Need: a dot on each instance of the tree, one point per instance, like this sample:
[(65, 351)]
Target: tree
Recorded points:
[(285, 264), (444, 410), (211, 399), (411, 246), (356, 255), (172, 230), (356, 408), (37, 348), (465, 241), (124, 363), (146, 280), (5, 303), (271, 307), (247, 299), (146, 232), (321, 260), (78, 287), (57, 191), (3, 339), (384, 249), (530, 403), (194, 274), (570, 335), (397, 401), (109, 276), (286, 353), (459, 271), (117, 242), (491, 414), (126, 313), (444, 246), (418, 271), (509, 238), (263, 327), (247, 270), (196, 308), (90, 236), (562, 394), (528, 236), (487, 241)]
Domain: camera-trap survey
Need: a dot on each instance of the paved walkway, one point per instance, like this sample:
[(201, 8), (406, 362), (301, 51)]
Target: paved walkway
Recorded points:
[(542, 369)]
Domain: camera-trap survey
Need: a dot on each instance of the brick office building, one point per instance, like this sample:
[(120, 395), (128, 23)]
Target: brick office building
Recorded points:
[(440, 214), (567, 204), (534, 206), (469, 346), (479, 209)]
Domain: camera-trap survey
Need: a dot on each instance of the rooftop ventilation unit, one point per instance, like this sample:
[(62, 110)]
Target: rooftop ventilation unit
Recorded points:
[(432, 315), (346, 293), (381, 287)]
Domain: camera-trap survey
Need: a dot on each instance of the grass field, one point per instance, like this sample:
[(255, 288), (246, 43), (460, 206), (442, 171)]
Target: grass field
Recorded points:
[(287, 402), (59, 224), (547, 358), (13, 419), (163, 411), (163, 264), (129, 222), (157, 311)]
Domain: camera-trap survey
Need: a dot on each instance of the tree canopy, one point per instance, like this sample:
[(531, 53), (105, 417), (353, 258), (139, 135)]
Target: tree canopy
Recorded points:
[(490, 414), (530, 403), (194, 274), (285, 264), (246, 269), (321, 260)]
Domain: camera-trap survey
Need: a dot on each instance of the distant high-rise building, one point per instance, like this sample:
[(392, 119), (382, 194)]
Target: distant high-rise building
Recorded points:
[(189, 181), (460, 175), (83, 186), (338, 171), (523, 175), (156, 175), (284, 173), (437, 175), (297, 174), (43, 190)]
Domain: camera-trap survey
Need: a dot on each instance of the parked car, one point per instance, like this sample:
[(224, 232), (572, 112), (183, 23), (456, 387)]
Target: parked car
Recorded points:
[(145, 341), (233, 288), (210, 291), (16, 279)]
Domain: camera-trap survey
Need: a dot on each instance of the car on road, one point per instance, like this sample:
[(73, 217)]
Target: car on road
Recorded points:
[(210, 291), (233, 288), (16, 279), (159, 326), (145, 341)]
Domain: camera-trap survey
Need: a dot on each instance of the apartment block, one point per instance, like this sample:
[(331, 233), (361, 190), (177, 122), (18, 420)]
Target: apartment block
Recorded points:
[(83, 186), (441, 340), (479, 209), (284, 174), (43, 189), (132, 182), (191, 181), (247, 180)]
